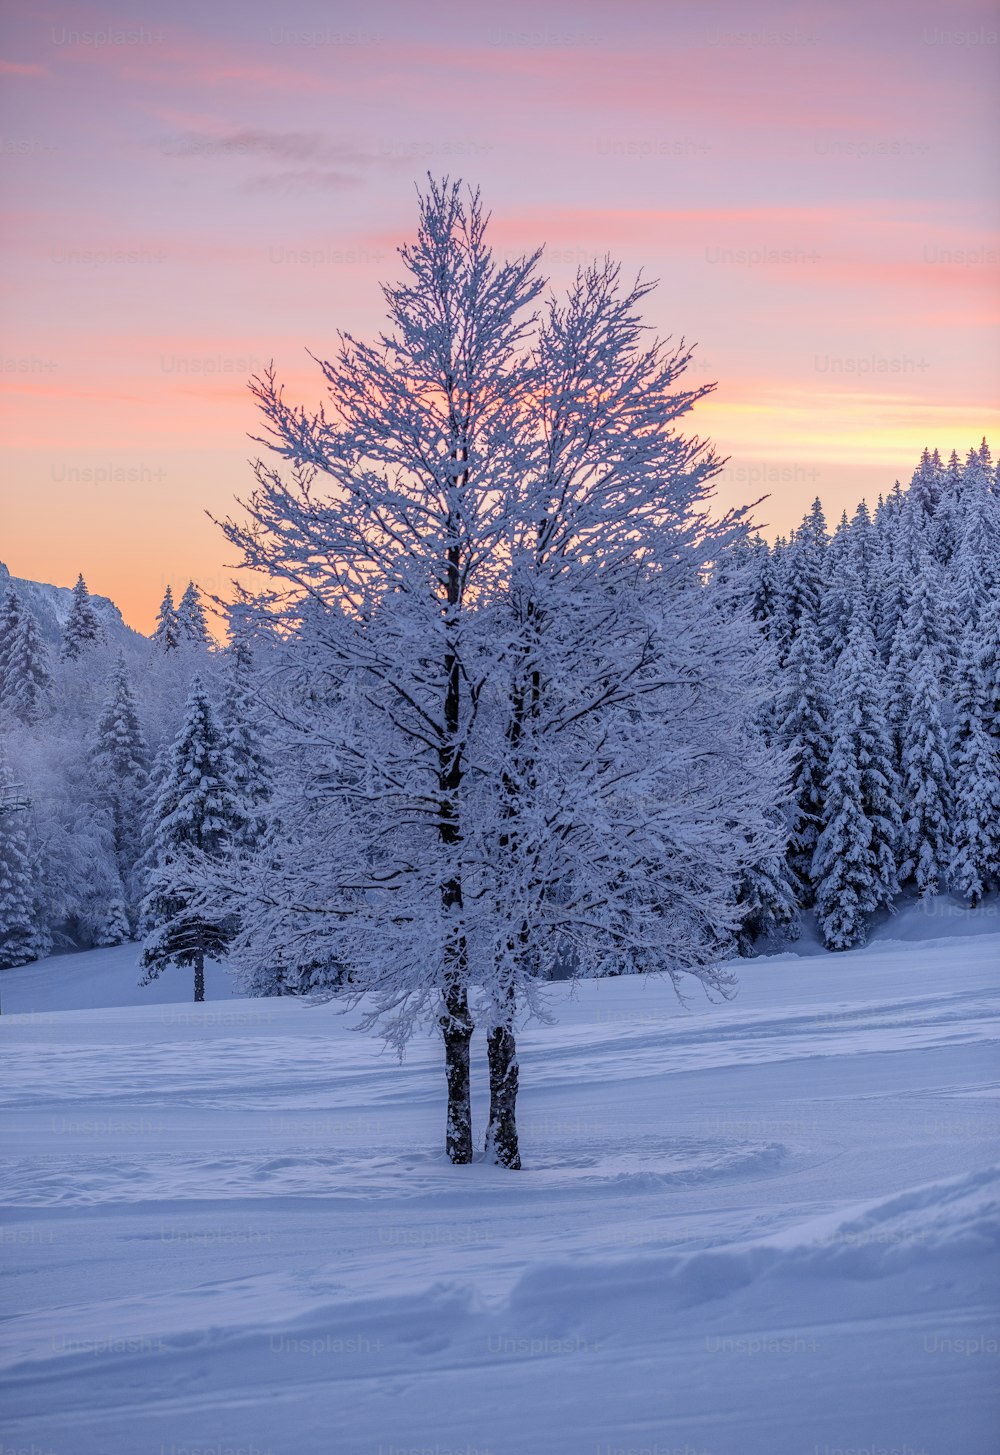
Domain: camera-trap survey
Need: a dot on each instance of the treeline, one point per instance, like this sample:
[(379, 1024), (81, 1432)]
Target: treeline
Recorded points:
[(885, 693), (86, 732), (878, 686)]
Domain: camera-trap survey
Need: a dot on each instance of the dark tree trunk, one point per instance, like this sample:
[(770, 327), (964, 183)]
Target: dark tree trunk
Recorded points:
[(456, 1028), (501, 1136), (456, 1021), (199, 976)]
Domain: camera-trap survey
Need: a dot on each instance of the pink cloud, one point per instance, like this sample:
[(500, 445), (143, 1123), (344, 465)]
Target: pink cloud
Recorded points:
[(21, 68)]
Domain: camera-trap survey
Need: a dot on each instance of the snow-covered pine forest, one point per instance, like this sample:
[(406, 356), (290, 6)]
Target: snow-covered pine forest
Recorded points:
[(877, 667)]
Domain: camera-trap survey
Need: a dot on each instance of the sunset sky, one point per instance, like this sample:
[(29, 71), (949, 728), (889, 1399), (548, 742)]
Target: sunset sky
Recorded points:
[(192, 190)]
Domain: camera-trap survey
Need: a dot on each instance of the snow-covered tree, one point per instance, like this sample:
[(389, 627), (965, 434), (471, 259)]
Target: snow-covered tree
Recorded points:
[(195, 819), (82, 629), (120, 763), (243, 727), (422, 456), (779, 627), (925, 778), (22, 937), (509, 733), (804, 734), (10, 619), (608, 672), (894, 581), (924, 626), (854, 868), (974, 570), (917, 673), (864, 546), (27, 678), (974, 866), (986, 644), (766, 900), (762, 596), (167, 632), (947, 529), (79, 885), (804, 570), (838, 593), (191, 618), (925, 486)]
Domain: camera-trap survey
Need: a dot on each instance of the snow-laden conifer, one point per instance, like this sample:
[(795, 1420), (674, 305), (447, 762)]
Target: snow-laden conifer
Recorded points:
[(27, 678), (854, 868), (167, 632), (82, 629), (925, 778), (974, 865), (804, 735), (10, 618), (120, 765), (191, 623), (22, 937), (194, 823)]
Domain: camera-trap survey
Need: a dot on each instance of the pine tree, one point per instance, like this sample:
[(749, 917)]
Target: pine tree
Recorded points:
[(10, 620), (889, 506), (762, 596), (804, 734), (195, 815), (120, 764), (968, 590), (854, 868), (925, 623), (114, 927), (986, 644), (926, 484), (974, 866), (251, 769), (167, 632), (926, 778), (839, 592), (779, 625), (82, 629), (804, 568), (947, 528), (864, 547), (918, 670), (767, 903), (891, 594), (243, 631), (27, 684), (896, 681), (975, 569), (21, 937), (191, 617)]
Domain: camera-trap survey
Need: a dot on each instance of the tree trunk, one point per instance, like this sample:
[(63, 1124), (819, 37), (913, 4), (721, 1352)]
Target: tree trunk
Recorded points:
[(501, 1136), (199, 976), (456, 1028), (456, 1022)]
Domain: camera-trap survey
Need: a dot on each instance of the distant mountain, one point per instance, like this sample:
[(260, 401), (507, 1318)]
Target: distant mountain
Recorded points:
[(51, 606)]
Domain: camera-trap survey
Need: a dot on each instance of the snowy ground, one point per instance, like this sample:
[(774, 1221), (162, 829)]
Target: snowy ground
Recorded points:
[(769, 1226)]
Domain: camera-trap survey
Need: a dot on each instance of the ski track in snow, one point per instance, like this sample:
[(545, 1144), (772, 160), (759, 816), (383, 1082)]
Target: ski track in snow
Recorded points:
[(765, 1226)]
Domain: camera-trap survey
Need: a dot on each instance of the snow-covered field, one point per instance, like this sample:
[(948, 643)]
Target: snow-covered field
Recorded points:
[(753, 1229)]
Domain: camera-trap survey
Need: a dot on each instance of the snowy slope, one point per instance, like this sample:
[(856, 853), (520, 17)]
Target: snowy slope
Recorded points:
[(92, 979), (768, 1226)]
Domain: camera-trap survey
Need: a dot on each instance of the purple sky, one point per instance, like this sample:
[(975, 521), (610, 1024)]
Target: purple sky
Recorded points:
[(193, 190)]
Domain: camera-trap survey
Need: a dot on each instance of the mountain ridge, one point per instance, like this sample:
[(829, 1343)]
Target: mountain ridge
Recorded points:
[(51, 605)]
